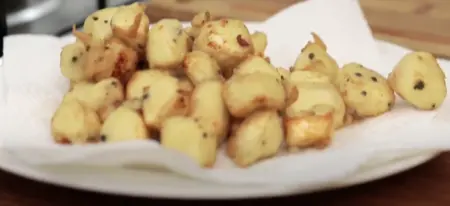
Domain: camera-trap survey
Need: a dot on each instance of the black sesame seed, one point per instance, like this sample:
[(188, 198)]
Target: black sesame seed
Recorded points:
[(364, 93), (358, 74), (106, 21), (145, 96), (389, 104), (103, 138), (419, 85), (374, 79), (311, 56), (205, 135), (282, 78), (433, 106), (88, 48), (74, 59), (114, 83), (95, 18)]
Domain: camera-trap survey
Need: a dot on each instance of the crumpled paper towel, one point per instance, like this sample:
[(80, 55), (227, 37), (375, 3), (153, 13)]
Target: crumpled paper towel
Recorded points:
[(340, 23), (35, 89)]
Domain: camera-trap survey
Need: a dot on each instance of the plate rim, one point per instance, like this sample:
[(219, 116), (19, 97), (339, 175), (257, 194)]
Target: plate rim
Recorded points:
[(389, 168), (392, 167)]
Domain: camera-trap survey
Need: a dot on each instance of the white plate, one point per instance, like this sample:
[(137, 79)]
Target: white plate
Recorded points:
[(168, 185), (162, 184)]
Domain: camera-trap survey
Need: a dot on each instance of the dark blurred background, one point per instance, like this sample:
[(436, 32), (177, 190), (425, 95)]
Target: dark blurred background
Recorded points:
[(50, 16), (53, 17)]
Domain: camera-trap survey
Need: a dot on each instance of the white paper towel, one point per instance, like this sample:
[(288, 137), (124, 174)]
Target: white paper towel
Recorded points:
[(36, 87), (340, 23)]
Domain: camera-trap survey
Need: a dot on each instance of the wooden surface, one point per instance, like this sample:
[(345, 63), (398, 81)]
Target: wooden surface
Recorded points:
[(426, 185), (420, 24), (417, 24)]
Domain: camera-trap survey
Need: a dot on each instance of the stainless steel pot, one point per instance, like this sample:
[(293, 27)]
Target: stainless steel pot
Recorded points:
[(24, 11)]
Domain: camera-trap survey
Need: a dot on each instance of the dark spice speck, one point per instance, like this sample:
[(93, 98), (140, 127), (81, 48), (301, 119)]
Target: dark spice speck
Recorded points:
[(419, 85), (280, 113), (364, 93), (103, 138)]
